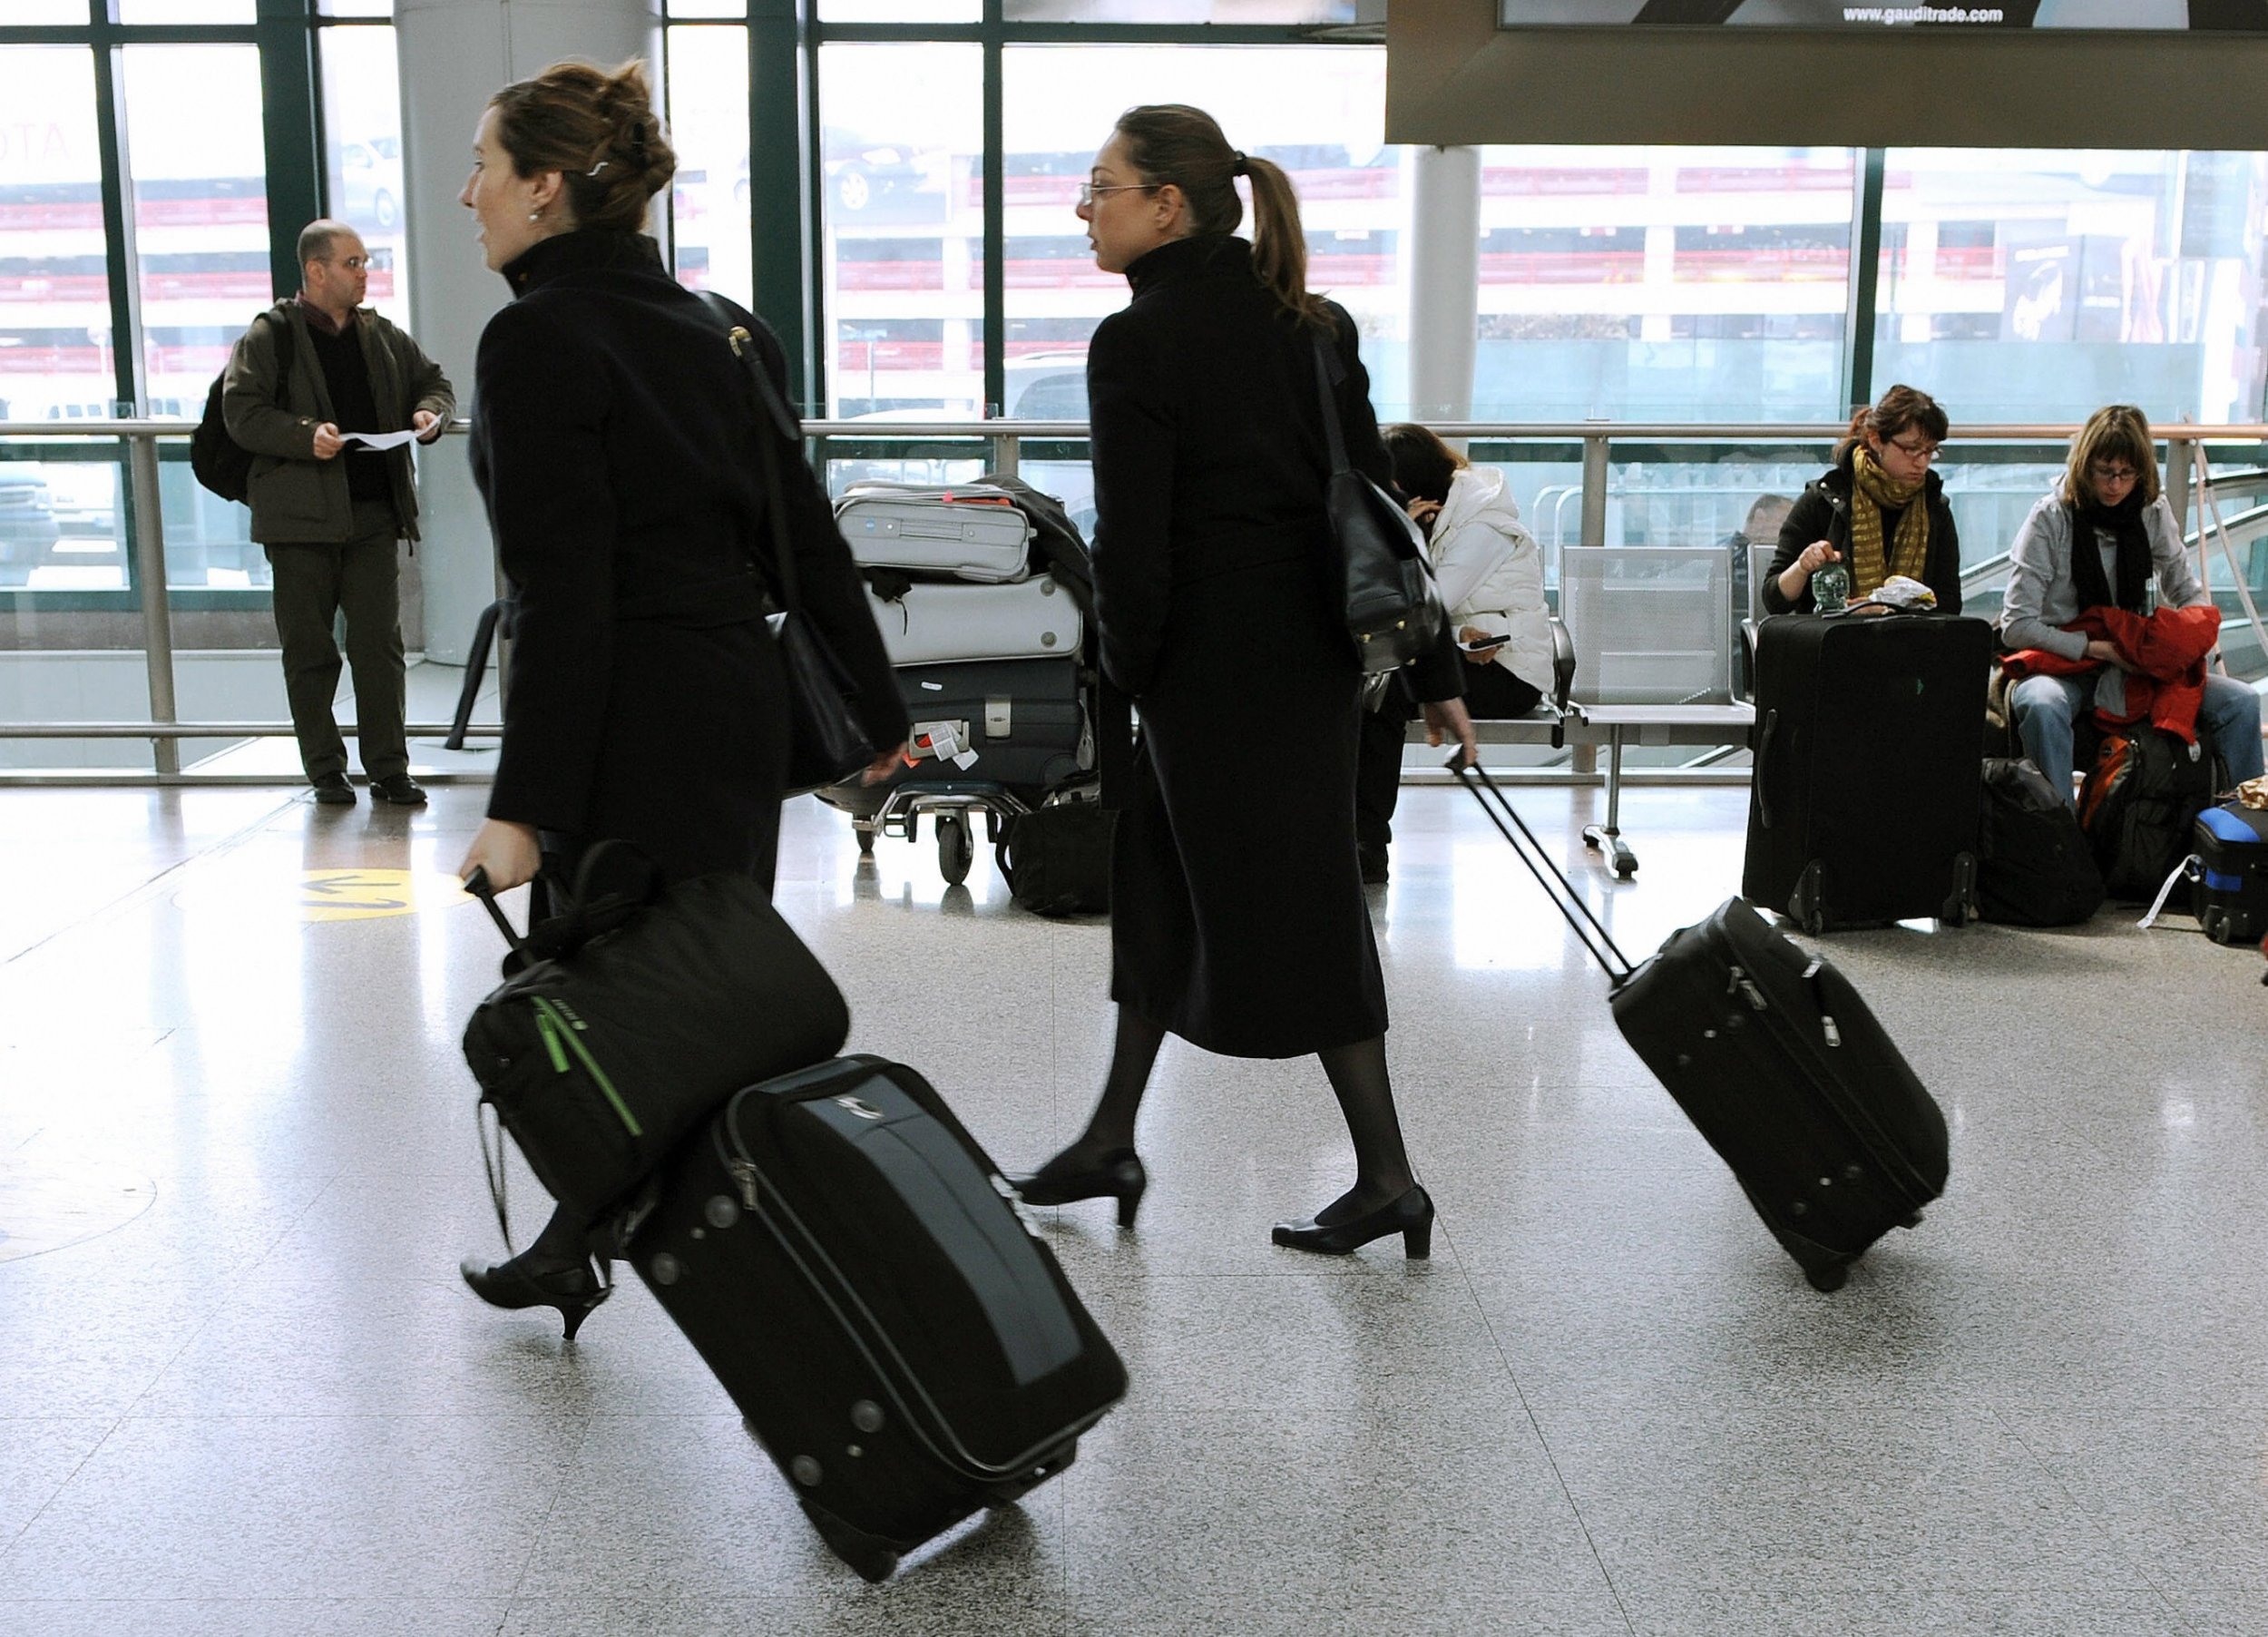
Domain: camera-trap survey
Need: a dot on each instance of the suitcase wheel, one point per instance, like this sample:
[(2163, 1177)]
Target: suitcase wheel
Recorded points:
[(955, 849), (1829, 1278), (865, 842), (873, 1560)]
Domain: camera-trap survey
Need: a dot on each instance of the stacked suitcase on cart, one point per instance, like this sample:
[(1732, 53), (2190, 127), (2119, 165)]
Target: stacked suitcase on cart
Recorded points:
[(988, 641)]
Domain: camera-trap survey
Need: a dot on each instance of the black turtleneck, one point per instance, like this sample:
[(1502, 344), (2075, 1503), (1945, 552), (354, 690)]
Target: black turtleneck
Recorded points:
[(583, 251)]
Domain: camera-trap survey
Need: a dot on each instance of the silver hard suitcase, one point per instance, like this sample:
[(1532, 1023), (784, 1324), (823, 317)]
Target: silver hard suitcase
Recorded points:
[(944, 623), (972, 532)]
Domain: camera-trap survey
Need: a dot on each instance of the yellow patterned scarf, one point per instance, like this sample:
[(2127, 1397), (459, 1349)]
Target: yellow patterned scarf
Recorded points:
[(1910, 550)]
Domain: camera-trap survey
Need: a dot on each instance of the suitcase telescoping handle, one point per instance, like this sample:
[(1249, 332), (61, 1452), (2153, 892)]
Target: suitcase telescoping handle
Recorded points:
[(478, 885), (1594, 936)]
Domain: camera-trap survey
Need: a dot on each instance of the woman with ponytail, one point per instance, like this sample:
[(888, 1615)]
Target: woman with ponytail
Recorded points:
[(613, 434), (1879, 511), (1237, 916), (2102, 540)]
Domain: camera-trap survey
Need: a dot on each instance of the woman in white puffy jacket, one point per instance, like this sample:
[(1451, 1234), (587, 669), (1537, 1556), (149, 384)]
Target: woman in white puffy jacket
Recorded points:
[(1491, 575)]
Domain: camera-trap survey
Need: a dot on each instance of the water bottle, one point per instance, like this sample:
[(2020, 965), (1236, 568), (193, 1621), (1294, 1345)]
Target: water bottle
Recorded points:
[(1831, 587)]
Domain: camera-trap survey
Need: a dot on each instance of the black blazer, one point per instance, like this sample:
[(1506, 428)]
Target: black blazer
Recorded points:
[(1209, 446), (1822, 512), (612, 434)]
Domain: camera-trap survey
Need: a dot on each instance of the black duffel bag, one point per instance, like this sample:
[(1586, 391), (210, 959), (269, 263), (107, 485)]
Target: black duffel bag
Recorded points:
[(2034, 865), (627, 1022), (1057, 859)]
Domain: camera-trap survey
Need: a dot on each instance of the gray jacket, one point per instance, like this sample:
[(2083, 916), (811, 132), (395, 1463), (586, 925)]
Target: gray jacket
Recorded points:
[(297, 499), (2043, 596)]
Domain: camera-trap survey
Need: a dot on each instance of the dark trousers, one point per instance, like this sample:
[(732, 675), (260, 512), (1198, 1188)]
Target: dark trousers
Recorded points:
[(315, 583), (1493, 693)]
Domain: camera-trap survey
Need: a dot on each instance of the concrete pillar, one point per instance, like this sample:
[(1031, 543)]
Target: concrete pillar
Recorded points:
[(1444, 281), (454, 54)]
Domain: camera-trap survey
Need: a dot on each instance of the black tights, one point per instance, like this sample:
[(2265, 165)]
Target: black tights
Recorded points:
[(1358, 1076)]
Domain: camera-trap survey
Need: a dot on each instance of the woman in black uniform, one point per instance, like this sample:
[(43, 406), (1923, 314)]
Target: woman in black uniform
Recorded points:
[(612, 440), (1238, 917)]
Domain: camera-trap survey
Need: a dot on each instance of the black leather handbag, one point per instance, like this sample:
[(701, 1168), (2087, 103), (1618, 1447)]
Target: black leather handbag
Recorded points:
[(826, 743), (1393, 610)]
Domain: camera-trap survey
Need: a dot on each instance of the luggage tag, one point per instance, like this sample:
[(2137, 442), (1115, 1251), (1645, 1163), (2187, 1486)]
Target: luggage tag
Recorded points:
[(942, 740)]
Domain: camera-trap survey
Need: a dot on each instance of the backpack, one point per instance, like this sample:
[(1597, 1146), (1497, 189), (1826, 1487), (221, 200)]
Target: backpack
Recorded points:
[(2138, 804), (221, 463), (2034, 867)]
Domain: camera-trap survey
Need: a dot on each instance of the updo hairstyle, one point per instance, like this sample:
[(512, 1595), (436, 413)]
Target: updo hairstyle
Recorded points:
[(1892, 414), (1172, 142), (599, 130)]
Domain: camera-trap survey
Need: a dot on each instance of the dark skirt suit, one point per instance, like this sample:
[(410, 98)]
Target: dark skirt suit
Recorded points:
[(1238, 917), (612, 440)]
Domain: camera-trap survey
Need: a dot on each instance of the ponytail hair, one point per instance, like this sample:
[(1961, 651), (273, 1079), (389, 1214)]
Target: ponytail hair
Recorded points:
[(1172, 142), (598, 128), (1892, 413)]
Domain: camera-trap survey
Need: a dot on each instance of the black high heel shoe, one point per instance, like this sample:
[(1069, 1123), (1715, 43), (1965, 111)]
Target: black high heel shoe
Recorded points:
[(573, 1288), (1116, 1175), (1410, 1215)]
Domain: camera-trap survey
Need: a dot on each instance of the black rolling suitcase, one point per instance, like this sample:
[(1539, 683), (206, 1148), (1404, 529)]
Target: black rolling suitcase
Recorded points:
[(1864, 805), (1774, 1056), (867, 1287)]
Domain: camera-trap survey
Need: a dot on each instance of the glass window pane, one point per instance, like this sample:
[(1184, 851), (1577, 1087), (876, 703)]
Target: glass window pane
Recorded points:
[(1318, 112), (900, 11), (29, 12), (1278, 12), (187, 11), (681, 10), (2041, 285), (1663, 283), (901, 223), (709, 126), (355, 8), (198, 190), (362, 125), (55, 359)]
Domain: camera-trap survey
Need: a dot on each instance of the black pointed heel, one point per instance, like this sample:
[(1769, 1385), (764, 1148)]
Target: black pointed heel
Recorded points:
[(1118, 1175), (1410, 1215), (574, 1288)]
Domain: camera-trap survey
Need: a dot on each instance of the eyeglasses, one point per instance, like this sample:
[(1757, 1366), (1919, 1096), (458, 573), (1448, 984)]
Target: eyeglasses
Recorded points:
[(1921, 451), (2113, 474), (1087, 190)]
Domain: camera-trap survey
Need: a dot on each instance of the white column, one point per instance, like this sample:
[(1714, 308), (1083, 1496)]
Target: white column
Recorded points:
[(453, 55), (1444, 281)]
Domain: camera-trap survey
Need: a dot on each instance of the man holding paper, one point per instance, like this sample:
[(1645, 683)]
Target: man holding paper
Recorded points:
[(329, 506)]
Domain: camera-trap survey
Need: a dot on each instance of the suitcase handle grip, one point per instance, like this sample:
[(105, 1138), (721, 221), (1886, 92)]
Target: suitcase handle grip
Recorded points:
[(1758, 782), (478, 885)]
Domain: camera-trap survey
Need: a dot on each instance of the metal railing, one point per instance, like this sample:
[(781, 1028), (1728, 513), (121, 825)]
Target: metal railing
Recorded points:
[(1003, 444)]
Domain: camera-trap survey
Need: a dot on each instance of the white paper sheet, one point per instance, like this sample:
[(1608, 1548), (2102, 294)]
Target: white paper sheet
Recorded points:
[(380, 440)]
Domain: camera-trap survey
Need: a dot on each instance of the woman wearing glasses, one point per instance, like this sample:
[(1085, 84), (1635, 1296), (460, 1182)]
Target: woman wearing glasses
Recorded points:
[(1879, 511), (1236, 912), (2109, 497)]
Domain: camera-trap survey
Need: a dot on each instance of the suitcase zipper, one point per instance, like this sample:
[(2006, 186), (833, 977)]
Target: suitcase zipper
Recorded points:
[(563, 1029), (1826, 1019), (744, 1174), (1885, 1154)]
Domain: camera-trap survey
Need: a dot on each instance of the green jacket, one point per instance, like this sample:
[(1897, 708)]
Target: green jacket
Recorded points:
[(297, 499)]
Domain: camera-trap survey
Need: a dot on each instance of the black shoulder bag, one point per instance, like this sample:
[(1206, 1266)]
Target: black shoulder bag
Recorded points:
[(825, 742), (1393, 611)]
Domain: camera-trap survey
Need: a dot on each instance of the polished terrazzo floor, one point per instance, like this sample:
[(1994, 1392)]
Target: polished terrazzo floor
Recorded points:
[(241, 1390)]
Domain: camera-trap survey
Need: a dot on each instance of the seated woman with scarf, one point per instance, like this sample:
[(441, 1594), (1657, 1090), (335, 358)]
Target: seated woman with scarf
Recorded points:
[(2110, 499), (1880, 511)]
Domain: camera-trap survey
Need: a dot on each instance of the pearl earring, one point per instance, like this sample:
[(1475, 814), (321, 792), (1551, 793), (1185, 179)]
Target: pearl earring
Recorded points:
[(535, 215)]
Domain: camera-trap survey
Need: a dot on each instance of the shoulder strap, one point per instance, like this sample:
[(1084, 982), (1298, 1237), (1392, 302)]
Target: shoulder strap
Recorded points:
[(780, 418), (1331, 431)]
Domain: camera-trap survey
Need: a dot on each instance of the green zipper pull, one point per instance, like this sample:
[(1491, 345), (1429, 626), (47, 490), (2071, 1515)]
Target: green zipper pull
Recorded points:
[(545, 1027)]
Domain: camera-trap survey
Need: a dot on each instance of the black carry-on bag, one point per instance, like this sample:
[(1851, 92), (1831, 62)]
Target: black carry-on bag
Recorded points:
[(623, 1026), (1864, 805), (1774, 1056), (876, 1299)]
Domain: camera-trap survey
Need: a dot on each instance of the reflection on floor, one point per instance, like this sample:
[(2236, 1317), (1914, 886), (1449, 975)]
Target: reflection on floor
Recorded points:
[(263, 1403)]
